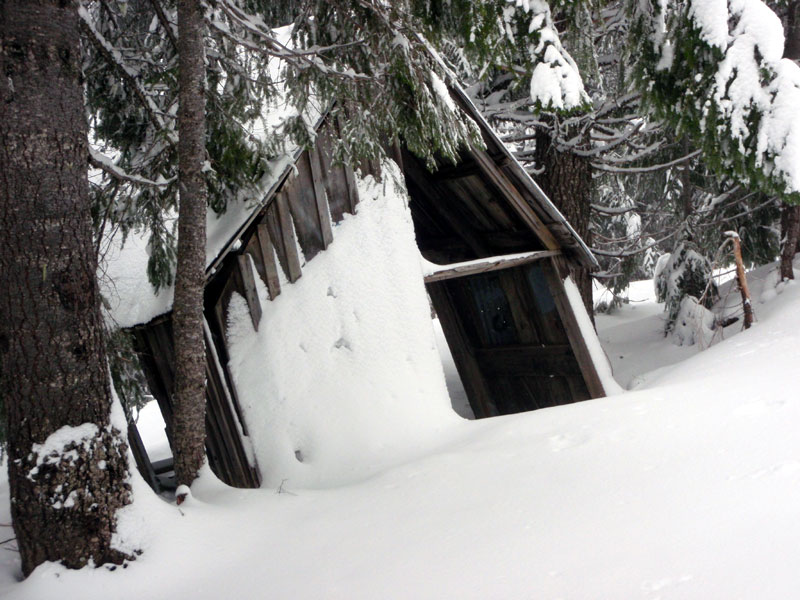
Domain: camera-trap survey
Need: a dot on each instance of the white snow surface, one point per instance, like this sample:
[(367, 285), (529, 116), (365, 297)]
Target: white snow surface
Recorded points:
[(343, 371), (687, 487)]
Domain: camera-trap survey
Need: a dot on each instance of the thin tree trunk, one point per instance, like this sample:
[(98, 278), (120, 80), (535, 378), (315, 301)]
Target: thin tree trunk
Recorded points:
[(791, 25), (190, 361), (567, 180), (790, 215), (790, 232), (67, 487)]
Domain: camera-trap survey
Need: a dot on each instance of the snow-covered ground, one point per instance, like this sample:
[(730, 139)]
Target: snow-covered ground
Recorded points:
[(688, 486)]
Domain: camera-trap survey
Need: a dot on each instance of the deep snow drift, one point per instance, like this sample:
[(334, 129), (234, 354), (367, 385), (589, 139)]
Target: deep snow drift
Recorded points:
[(343, 375), (686, 487)]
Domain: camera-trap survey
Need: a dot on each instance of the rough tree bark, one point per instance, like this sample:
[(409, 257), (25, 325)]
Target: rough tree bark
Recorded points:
[(67, 464), (189, 393), (790, 215), (567, 180), (790, 237)]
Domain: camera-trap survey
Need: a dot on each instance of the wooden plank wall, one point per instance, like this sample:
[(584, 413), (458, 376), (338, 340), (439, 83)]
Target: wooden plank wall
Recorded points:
[(226, 454), (293, 227)]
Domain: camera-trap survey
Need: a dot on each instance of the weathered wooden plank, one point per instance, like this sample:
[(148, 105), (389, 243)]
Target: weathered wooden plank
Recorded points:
[(441, 205), (528, 361), (320, 196), (515, 198), (301, 197), (576, 340), (349, 176), (485, 265), (224, 429), (333, 174), (475, 385), (272, 281), (141, 457), (288, 240), (250, 291), (221, 306), (523, 312)]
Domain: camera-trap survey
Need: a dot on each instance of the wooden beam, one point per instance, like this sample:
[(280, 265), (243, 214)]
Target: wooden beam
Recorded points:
[(273, 282), (574, 333), (532, 361), (323, 211), (515, 198), (250, 292), (439, 202), (288, 238), (485, 265), (469, 371), (224, 427)]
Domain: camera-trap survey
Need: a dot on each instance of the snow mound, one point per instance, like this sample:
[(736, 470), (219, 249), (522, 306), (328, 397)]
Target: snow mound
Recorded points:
[(343, 373)]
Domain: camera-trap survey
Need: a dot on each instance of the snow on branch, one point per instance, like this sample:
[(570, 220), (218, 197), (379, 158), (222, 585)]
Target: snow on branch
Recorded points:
[(129, 74), (101, 161)]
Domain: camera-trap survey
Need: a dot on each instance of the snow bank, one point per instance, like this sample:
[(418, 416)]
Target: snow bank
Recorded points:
[(599, 358), (343, 373)]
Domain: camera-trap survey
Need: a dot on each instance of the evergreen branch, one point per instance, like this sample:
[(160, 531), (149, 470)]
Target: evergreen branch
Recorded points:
[(114, 59), (101, 161), (300, 59), (650, 169), (165, 23)]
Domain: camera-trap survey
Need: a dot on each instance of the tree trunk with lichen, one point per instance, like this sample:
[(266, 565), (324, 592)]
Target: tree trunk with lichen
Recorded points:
[(187, 316), (567, 179), (67, 463)]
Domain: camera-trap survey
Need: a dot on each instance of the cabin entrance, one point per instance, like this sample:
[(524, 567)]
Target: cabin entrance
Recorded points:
[(508, 341)]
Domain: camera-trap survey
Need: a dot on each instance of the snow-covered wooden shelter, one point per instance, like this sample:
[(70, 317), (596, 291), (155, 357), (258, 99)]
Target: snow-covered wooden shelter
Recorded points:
[(495, 255)]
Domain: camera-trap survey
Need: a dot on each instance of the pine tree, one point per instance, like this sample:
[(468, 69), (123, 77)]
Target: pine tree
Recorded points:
[(187, 316), (67, 461), (719, 77)]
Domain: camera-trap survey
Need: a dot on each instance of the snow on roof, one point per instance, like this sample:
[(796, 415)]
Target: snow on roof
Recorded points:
[(123, 268)]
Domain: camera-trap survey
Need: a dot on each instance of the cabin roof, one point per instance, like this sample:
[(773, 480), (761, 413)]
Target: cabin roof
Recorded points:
[(123, 273)]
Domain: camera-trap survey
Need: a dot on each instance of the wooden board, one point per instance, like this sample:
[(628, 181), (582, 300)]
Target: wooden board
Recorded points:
[(320, 196), (478, 392), (334, 178), (509, 191), (268, 263), (301, 197), (514, 350), (250, 292), (574, 333)]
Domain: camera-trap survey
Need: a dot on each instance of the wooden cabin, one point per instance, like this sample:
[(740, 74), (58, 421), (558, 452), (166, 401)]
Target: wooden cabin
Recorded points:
[(498, 249)]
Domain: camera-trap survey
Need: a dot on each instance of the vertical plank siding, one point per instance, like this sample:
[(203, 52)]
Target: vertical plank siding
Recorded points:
[(300, 215)]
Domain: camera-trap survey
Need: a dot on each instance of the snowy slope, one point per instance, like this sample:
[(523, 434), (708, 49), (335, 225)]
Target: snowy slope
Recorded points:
[(687, 487)]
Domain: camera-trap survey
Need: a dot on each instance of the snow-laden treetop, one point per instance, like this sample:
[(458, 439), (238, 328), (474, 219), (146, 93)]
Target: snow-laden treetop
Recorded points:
[(715, 68)]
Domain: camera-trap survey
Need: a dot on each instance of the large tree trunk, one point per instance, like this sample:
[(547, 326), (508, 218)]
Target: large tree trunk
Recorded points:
[(567, 180), (67, 464), (189, 394)]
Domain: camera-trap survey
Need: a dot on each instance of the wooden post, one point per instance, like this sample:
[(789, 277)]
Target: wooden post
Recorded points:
[(741, 278)]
